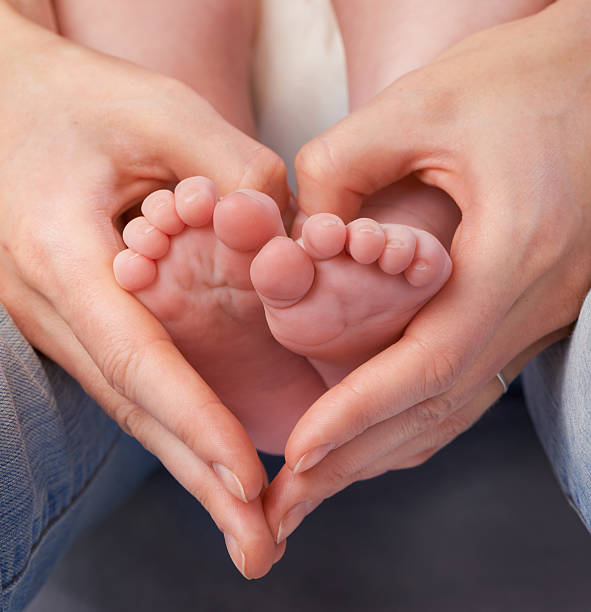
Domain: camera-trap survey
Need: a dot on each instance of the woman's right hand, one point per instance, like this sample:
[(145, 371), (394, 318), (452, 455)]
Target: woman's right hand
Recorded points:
[(501, 122), (82, 137)]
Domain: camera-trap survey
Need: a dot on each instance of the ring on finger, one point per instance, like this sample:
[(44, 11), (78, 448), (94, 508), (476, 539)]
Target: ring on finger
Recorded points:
[(503, 381)]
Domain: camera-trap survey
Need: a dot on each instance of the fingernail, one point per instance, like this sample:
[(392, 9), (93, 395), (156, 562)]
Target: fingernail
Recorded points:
[(236, 554), (311, 458), (279, 553), (230, 481), (292, 519)]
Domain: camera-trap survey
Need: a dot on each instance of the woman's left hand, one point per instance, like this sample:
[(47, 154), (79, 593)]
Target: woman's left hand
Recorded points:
[(501, 122)]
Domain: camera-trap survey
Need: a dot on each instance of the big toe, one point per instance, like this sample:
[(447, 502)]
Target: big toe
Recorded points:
[(245, 220), (282, 273)]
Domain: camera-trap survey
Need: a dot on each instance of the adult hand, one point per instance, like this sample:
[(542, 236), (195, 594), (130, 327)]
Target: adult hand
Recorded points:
[(501, 122), (83, 136)]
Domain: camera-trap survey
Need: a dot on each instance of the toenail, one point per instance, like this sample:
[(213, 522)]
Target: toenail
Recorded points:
[(421, 265), (395, 244), (189, 199), (161, 204), (149, 229), (329, 223), (133, 256), (368, 230)]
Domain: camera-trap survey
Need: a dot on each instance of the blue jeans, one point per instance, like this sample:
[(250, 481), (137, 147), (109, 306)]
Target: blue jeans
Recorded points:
[(64, 464), (557, 387)]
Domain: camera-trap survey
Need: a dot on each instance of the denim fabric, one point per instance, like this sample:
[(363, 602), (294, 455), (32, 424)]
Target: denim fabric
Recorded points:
[(557, 386), (63, 465)]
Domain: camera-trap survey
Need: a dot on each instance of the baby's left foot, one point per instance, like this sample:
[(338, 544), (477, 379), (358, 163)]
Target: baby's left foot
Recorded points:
[(348, 291)]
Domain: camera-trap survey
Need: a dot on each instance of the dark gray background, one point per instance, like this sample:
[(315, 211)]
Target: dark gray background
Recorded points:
[(483, 526)]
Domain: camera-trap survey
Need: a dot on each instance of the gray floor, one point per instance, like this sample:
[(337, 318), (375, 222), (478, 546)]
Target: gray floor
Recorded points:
[(481, 527)]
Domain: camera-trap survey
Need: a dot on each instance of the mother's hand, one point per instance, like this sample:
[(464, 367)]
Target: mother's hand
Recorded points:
[(82, 137), (501, 122)]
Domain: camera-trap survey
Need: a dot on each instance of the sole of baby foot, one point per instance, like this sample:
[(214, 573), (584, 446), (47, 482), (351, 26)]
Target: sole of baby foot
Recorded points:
[(188, 262), (343, 293)]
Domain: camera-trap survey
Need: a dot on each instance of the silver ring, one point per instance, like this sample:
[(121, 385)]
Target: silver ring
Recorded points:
[(504, 382)]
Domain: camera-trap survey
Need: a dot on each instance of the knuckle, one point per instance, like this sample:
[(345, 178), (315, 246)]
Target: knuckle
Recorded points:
[(264, 171), (120, 365), (361, 414), (442, 368), (432, 412), (314, 162), (339, 475), (132, 419)]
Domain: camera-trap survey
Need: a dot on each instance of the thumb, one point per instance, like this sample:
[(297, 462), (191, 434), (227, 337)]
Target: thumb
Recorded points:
[(195, 139), (371, 148)]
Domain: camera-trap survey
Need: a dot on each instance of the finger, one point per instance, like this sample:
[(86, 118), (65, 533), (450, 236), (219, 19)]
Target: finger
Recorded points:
[(249, 541), (52, 336), (380, 449), (374, 146), (418, 450), (192, 138), (139, 361)]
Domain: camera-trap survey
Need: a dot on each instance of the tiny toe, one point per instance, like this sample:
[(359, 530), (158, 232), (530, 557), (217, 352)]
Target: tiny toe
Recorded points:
[(365, 240), (282, 273), (399, 250), (195, 199), (431, 261), (141, 236), (324, 235), (134, 271), (245, 220), (159, 210)]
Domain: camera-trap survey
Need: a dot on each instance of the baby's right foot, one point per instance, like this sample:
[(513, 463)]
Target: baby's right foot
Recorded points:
[(345, 293), (188, 263)]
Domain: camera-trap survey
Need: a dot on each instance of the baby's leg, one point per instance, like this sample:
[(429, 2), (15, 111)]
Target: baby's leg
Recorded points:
[(206, 44), (385, 39)]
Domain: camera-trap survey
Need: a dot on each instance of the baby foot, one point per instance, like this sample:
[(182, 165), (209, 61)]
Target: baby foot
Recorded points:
[(188, 262), (342, 293)]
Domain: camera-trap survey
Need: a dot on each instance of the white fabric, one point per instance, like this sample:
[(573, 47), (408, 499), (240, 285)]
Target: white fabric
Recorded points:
[(299, 78)]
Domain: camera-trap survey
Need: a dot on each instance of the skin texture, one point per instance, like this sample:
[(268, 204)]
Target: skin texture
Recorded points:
[(127, 131), (501, 123)]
